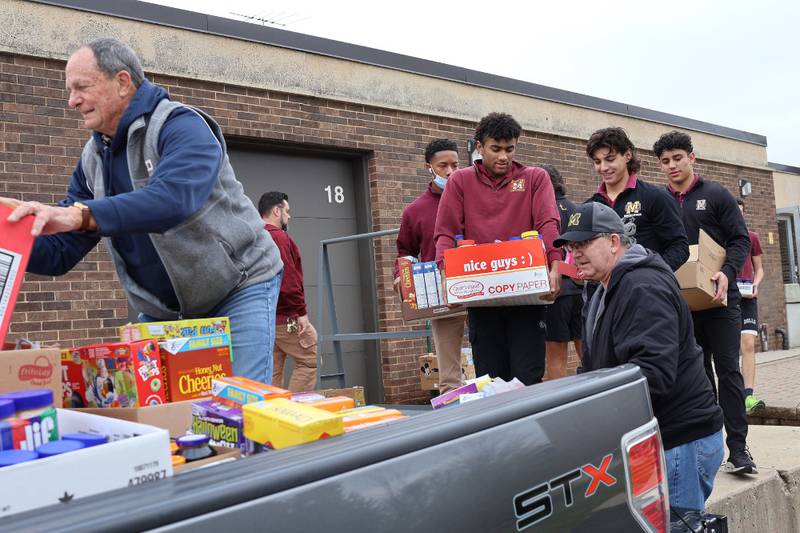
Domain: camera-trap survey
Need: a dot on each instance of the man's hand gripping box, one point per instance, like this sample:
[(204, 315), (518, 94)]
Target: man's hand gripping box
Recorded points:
[(497, 274)]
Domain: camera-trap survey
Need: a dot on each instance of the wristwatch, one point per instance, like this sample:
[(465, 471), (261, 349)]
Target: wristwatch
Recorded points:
[(86, 215)]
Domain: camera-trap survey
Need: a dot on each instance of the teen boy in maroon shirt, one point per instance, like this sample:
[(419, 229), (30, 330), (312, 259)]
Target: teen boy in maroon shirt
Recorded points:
[(416, 240), (494, 199)]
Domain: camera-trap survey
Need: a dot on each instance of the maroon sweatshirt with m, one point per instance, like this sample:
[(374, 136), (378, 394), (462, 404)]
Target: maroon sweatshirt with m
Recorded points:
[(484, 209), (416, 228)]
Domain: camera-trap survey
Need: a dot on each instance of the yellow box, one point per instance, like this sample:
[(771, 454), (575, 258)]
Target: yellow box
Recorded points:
[(281, 423), (197, 327)]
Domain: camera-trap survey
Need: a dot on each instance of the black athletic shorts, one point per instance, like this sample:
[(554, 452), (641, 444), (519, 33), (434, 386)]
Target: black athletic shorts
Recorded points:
[(563, 319), (749, 308)]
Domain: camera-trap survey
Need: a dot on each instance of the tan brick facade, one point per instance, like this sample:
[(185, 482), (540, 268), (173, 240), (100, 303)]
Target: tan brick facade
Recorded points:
[(41, 140)]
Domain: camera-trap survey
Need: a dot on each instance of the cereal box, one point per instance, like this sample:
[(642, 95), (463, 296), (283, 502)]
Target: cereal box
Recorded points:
[(222, 423), (238, 391), (197, 327), (281, 423), (191, 364), (497, 274), (72, 381), (123, 374)]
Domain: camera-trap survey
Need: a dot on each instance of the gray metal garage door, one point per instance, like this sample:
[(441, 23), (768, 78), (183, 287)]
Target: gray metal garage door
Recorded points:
[(327, 200)]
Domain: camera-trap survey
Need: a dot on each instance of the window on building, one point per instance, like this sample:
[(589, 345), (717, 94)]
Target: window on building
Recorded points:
[(787, 240)]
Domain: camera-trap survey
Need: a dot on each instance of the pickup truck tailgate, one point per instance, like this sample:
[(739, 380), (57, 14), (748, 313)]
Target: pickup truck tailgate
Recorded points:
[(545, 458)]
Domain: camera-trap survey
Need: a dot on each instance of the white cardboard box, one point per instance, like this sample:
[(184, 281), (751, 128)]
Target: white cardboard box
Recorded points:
[(137, 454)]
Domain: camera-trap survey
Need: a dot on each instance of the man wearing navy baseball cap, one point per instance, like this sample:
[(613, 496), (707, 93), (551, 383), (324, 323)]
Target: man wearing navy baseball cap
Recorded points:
[(637, 315)]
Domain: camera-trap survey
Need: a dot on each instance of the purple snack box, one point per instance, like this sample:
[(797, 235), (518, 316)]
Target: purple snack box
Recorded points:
[(224, 424), (451, 398)]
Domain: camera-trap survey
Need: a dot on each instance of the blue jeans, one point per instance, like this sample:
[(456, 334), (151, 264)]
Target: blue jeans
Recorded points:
[(691, 469), (252, 316)]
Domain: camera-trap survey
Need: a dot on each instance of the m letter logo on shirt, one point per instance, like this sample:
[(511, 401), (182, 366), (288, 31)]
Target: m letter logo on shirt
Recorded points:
[(518, 185), (701, 205), (574, 219), (633, 207)]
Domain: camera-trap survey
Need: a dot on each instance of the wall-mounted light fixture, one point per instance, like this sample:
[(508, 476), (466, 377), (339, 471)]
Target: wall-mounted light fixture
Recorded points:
[(745, 187)]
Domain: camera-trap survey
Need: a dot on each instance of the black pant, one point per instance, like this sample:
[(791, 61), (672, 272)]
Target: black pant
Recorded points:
[(508, 342), (717, 331)]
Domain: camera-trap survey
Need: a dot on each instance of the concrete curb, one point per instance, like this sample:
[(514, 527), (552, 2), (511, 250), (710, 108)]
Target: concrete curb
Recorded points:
[(770, 500)]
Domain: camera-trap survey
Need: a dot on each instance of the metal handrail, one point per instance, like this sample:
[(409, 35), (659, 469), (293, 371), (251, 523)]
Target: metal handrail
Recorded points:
[(324, 285)]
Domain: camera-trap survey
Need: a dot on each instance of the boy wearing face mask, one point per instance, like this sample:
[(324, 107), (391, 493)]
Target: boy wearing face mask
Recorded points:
[(416, 240)]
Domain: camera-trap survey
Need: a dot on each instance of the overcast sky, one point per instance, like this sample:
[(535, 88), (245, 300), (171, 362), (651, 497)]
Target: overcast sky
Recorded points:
[(733, 63)]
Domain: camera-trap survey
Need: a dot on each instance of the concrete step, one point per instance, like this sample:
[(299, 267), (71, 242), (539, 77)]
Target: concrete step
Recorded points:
[(770, 500)]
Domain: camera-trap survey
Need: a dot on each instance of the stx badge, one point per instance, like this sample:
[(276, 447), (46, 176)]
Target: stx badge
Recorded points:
[(518, 185), (701, 205)]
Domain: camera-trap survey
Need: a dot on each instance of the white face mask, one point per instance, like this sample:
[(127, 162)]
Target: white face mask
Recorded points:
[(437, 179)]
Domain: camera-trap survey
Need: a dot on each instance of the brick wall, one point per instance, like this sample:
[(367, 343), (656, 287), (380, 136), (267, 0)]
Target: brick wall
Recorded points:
[(41, 139)]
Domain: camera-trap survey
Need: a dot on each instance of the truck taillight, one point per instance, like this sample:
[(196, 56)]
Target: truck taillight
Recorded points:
[(646, 475)]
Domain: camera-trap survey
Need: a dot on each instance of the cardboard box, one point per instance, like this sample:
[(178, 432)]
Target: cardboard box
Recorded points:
[(136, 454), (408, 298), (191, 364), (237, 391), (123, 374), (223, 455), (497, 274), (176, 417), (197, 327), (281, 423), (32, 369), (356, 393), (429, 370), (694, 277)]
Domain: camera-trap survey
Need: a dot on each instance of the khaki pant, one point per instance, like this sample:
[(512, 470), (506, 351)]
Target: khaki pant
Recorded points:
[(303, 349), (448, 336)]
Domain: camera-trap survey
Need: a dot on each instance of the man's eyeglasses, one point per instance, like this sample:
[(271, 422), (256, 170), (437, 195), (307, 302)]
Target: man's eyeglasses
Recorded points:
[(580, 245)]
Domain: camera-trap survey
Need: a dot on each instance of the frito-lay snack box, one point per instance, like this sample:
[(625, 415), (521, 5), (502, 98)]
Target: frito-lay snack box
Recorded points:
[(196, 327), (281, 423), (192, 363), (237, 391), (123, 374), (72, 381)]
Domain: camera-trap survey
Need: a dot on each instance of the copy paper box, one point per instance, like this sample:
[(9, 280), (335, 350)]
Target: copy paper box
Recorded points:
[(32, 369), (136, 454), (196, 327), (281, 423), (497, 274), (408, 306), (191, 364), (694, 277), (123, 374)]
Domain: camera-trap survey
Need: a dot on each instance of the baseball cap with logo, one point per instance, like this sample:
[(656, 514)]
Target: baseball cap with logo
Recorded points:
[(588, 220)]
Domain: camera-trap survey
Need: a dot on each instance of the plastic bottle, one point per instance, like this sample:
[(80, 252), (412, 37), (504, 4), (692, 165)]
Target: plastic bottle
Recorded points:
[(88, 439), (194, 447), (530, 235), (15, 457), (34, 407), (515, 238), (57, 447)]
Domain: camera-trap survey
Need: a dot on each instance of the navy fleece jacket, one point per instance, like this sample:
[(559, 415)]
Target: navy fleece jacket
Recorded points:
[(190, 157)]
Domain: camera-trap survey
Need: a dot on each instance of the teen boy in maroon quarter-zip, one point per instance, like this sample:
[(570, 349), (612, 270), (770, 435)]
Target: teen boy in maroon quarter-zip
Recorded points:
[(494, 199), (711, 207)]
